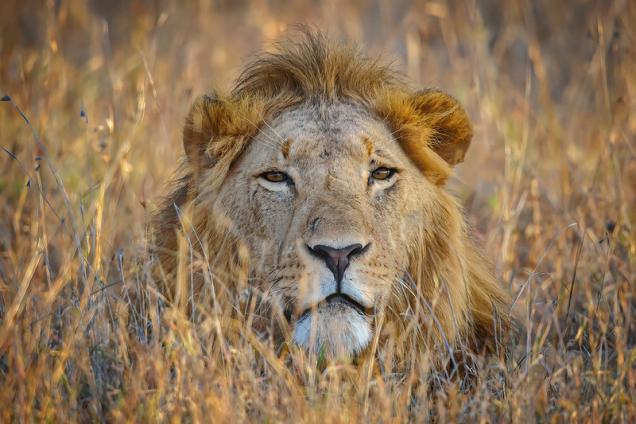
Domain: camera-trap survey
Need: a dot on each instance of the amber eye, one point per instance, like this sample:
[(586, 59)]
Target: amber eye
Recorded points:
[(275, 176), (382, 173)]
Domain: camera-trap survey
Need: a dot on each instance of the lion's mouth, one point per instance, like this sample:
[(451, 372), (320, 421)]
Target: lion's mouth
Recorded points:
[(341, 298)]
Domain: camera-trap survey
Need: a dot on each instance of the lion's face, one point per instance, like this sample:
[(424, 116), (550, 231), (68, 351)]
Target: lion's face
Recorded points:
[(319, 182), (327, 202)]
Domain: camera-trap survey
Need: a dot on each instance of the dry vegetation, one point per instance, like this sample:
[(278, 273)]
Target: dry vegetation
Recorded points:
[(96, 93)]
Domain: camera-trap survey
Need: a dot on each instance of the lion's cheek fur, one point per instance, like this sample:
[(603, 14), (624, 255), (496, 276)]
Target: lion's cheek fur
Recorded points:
[(461, 300)]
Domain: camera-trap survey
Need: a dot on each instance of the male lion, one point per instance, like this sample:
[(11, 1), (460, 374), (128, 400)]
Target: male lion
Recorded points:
[(318, 182)]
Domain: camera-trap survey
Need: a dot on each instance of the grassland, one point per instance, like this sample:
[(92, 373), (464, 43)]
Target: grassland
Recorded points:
[(95, 94)]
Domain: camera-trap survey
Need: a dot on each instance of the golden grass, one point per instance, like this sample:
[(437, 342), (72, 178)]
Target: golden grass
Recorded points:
[(90, 134)]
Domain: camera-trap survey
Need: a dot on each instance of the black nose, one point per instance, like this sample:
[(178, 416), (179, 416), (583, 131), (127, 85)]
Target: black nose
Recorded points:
[(337, 260)]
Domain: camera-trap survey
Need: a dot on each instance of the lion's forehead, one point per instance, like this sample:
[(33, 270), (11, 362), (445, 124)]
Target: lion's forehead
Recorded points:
[(318, 131)]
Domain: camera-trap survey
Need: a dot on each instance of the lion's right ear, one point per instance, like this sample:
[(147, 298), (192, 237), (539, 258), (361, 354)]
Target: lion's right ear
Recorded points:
[(431, 127), (200, 128), (450, 125)]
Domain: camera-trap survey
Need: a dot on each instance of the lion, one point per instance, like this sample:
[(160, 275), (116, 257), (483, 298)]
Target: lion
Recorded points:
[(318, 182)]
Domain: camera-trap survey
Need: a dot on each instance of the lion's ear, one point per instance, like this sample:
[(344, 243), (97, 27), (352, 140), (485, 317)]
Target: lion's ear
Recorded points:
[(451, 129), (218, 129), (200, 128)]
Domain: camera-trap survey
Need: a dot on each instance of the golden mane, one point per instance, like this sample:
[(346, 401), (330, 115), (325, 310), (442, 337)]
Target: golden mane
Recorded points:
[(449, 280), (313, 68), (429, 125)]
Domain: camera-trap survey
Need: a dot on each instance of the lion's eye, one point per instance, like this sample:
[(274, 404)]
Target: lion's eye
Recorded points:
[(382, 173), (275, 176)]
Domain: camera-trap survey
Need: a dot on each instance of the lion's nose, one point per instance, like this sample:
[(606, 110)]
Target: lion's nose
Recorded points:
[(337, 260)]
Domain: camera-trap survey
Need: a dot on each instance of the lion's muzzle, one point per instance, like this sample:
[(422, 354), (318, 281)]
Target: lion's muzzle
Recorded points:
[(337, 259)]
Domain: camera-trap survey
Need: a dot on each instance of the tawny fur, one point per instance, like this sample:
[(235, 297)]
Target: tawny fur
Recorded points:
[(445, 278)]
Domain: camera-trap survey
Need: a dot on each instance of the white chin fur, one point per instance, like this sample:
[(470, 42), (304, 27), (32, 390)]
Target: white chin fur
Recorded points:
[(333, 329)]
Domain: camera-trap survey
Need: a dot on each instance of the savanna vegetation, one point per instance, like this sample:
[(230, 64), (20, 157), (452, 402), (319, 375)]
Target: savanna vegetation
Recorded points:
[(94, 97)]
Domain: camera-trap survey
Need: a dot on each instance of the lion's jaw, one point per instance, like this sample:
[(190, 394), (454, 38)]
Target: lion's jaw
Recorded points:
[(328, 152), (334, 328)]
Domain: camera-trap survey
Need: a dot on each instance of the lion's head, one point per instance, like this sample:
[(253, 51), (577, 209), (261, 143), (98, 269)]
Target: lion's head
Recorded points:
[(319, 180)]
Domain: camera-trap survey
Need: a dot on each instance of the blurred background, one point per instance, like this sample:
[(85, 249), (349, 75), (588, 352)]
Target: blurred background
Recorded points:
[(549, 183)]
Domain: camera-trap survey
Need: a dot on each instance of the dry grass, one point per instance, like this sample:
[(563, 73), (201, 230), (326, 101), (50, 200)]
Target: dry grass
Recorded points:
[(91, 134)]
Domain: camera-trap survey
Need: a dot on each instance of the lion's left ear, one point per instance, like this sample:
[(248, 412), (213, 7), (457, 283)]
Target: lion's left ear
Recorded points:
[(451, 129), (200, 129), (218, 129)]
